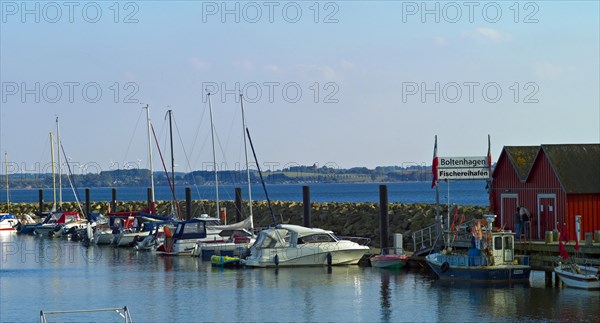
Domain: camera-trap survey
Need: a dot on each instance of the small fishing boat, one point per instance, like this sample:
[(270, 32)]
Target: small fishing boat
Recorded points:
[(225, 261), (390, 258), (491, 259), (294, 245), (579, 276), (8, 222)]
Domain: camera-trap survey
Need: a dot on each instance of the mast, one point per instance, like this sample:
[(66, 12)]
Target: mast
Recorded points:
[(58, 143), (247, 164), (150, 158), (261, 178), (7, 192), (212, 134), (53, 172), (173, 208)]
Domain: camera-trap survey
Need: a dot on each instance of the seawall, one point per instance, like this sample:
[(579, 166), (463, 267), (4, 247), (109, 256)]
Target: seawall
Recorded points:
[(345, 219)]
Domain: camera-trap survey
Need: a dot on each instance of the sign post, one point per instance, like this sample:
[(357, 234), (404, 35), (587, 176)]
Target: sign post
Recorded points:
[(459, 168)]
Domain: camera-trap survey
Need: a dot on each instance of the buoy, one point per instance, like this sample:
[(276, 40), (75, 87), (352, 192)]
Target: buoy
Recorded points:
[(445, 266)]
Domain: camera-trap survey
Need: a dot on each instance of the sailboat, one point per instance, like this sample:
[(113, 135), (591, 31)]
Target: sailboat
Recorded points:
[(129, 228), (241, 235), (59, 222), (8, 222), (29, 228), (189, 234)]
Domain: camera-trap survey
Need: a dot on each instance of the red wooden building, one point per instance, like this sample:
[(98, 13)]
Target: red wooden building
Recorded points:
[(554, 182)]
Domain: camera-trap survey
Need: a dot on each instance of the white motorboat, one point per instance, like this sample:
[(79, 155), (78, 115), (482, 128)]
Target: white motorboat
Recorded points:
[(185, 239), (237, 244), (579, 276), (294, 245), (8, 222)]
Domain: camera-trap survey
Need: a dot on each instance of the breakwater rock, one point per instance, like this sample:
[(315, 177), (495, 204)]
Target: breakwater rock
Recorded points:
[(345, 219)]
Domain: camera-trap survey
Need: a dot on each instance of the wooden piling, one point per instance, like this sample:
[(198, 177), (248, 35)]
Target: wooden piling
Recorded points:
[(41, 201), (383, 216), (306, 204), (113, 200), (188, 203), (150, 201), (238, 204), (87, 203), (548, 278)]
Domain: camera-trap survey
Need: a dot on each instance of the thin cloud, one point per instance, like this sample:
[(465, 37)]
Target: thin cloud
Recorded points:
[(244, 64), (547, 70), (488, 34), (272, 68), (199, 64)]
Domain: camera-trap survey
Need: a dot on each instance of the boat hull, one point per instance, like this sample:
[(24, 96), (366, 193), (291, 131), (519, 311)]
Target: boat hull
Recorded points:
[(8, 222), (389, 262), (296, 257), (45, 230), (587, 277), (481, 273), (129, 239)]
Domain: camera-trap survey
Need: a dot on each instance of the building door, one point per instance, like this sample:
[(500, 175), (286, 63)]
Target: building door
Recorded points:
[(546, 220), (508, 208)]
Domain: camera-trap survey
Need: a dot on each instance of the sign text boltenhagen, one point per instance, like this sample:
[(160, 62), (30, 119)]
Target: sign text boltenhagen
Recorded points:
[(464, 168)]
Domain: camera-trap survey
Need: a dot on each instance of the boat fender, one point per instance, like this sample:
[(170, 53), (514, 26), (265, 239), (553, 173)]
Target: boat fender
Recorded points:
[(329, 259), (445, 266), (276, 260)]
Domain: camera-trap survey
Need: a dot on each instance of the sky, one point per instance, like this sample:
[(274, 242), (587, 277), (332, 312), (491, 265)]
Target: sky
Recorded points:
[(340, 84)]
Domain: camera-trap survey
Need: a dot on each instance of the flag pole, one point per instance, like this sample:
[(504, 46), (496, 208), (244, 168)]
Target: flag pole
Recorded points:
[(438, 217)]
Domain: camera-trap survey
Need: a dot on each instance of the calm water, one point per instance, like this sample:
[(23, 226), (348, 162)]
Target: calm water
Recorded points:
[(464, 193), (38, 274)]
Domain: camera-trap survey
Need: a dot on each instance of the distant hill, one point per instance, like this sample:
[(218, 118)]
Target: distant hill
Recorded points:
[(296, 174)]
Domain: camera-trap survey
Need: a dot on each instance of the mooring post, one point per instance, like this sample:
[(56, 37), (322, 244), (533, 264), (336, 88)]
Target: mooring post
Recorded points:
[(113, 201), (41, 201), (188, 203), (238, 204), (548, 278), (150, 201), (383, 216), (306, 204), (87, 203)]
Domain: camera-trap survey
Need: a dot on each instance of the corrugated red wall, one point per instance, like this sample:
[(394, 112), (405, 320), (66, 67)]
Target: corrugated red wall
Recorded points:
[(588, 206)]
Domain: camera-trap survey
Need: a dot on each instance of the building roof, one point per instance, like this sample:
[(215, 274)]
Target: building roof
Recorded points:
[(522, 158), (577, 166)]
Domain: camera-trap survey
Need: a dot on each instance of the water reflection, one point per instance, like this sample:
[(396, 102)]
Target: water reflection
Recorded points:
[(386, 306), (59, 274)]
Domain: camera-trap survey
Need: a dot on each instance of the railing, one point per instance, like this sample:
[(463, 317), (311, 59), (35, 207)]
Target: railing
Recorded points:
[(427, 238), (122, 311), (424, 238), (360, 240)]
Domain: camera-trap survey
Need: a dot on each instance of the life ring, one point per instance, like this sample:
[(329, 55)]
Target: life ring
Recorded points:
[(445, 266)]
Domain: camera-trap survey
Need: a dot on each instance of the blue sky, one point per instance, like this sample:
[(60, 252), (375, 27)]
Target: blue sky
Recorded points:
[(362, 68)]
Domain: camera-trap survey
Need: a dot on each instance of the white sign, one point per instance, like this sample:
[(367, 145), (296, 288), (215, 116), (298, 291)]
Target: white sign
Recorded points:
[(466, 168), (463, 162), (464, 173)]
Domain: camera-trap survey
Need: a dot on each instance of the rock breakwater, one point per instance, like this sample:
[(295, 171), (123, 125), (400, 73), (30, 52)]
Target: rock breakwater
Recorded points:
[(345, 219)]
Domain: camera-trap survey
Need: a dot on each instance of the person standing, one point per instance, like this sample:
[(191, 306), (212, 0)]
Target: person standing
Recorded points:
[(518, 223), (525, 218)]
